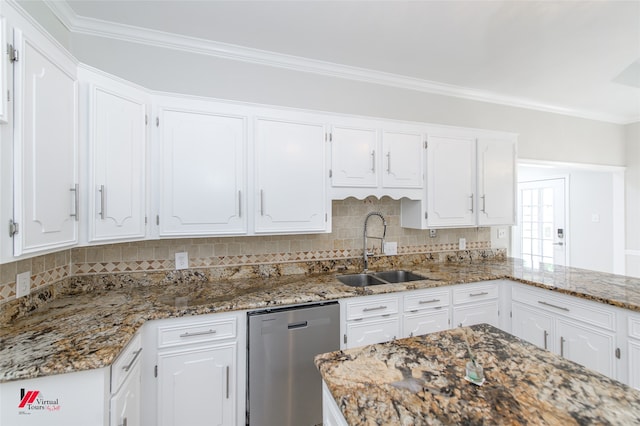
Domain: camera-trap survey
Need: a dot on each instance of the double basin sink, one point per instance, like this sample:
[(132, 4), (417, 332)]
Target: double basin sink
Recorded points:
[(377, 278)]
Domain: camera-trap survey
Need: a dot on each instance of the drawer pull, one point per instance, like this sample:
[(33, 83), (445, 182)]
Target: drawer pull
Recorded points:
[(227, 382), (482, 293), (135, 356), (424, 302), (546, 334), (374, 309), (542, 302), (198, 333)]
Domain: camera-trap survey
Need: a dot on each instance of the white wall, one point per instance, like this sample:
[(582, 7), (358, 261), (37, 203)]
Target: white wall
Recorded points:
[(632, 199)]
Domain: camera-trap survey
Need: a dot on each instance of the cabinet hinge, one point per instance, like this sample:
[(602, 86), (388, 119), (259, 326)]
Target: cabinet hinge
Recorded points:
[(157, 121), (510, 314), (326, 217), (13, 54), (146, 119), (330, 173), (426, 144), (618, 354), (8, 95), (155, 371), (157, 219), (344, 339), (146, 220), (426, 215), (13, 228)]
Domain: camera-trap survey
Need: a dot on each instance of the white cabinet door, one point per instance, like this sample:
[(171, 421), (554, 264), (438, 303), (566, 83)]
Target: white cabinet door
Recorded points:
[(451, 181), (117, 135), (476, 313), (532, 325), (371, 331), (353, 157), (587, 346), (45, 147), (291, 177), (197, 386), (634, 364), (125, 404), (496, 181), (4, 116), (425, 322), (402, 160), (202, 183)]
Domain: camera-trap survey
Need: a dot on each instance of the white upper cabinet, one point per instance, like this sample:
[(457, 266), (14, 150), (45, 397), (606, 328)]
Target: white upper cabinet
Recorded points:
[(46, 197), (117, 153), (375, 157), (290, 194), (471, 181), (4, 116), (496, 181), (202, 183), (451, 180)]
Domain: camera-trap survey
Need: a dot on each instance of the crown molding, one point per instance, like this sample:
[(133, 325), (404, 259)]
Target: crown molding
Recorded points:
[(127, 33)]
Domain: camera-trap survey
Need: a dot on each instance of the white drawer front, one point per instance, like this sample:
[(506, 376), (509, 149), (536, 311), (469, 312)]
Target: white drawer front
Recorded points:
[(474, 293), (372, 331), (198, 332), (377, 306), (125, 362), (426, 300), (573, 307), (634, 326)]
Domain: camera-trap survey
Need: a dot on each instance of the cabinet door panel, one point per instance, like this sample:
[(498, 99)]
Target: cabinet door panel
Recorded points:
[(479, 313), (587, 346), (202, 173), (196, 387), (496, 182), (634, 364), (402, 161), (372, 331), (45, 133), (532, 325), (291, 177), (451, 181), (125, 404), (424, 322), (118, 163), (354, 158)]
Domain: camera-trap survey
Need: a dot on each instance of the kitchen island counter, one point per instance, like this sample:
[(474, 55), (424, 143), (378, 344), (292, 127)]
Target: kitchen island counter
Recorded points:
[(420, 381)]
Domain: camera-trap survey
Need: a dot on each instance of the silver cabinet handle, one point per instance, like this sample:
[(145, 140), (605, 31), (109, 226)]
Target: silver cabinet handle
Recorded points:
[(546, 334), (424, 302), (239, 203), (227, 382), (135, 356), (389, 162), (562, 340), (553, 306), (76, 201), (198, 333), (471, 196), (484, 203), (102, 212), (482, 293), (374, 309), (124, 422), (558, 244), (261, 202), (373, 160)]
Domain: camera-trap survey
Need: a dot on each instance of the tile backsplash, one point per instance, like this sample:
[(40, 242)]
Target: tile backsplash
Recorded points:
[(344, 242)]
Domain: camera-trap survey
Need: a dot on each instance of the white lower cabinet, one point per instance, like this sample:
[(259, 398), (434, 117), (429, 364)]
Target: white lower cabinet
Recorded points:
[(426, 311), (633, 349), (476, 304), (579, 330), (369, 320), (199, 372), (125, 403)]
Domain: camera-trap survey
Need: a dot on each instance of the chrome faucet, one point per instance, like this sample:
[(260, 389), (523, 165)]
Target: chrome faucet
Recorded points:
[(366, 254)]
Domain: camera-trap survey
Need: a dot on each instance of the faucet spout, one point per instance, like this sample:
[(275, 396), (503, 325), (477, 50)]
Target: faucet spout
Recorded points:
[(365, 253)]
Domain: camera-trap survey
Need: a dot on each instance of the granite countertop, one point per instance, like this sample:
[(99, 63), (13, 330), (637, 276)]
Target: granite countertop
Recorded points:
[(420, 381), (89, 329)]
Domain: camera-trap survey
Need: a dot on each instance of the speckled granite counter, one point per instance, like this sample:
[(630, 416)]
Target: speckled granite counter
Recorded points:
[(87, 322), (420, 381)]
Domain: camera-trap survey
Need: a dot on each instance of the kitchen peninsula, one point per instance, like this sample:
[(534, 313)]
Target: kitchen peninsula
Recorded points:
[(420, 381)]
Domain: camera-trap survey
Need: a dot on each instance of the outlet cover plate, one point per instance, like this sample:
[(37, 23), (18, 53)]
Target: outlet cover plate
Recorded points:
[(182, 260), (462, 244), (23, 284), (390, 248)]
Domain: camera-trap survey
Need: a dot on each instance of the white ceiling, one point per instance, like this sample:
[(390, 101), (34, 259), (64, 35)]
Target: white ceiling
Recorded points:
[(561, 56)]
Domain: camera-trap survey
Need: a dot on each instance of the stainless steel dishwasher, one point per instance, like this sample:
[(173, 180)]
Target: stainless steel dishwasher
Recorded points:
[(284, 387)]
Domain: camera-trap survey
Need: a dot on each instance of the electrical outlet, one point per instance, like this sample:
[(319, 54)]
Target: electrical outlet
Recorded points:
[(462, 244), (182, 260), (502, 232), (432, 233), (390, 248), (23, 284)]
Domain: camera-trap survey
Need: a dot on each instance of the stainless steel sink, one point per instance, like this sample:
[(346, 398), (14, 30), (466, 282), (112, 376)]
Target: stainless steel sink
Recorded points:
[(398, 276), (359, 280), (385, 277)]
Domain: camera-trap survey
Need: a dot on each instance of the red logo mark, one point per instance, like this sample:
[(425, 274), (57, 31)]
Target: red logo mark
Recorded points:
[(28, 398)]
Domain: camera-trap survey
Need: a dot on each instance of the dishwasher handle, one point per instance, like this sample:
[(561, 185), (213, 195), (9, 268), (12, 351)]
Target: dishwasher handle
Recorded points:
[(294, 325)]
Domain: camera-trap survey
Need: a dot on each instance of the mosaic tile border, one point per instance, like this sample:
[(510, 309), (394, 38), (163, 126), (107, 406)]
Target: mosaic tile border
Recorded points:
[(38, 281)]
